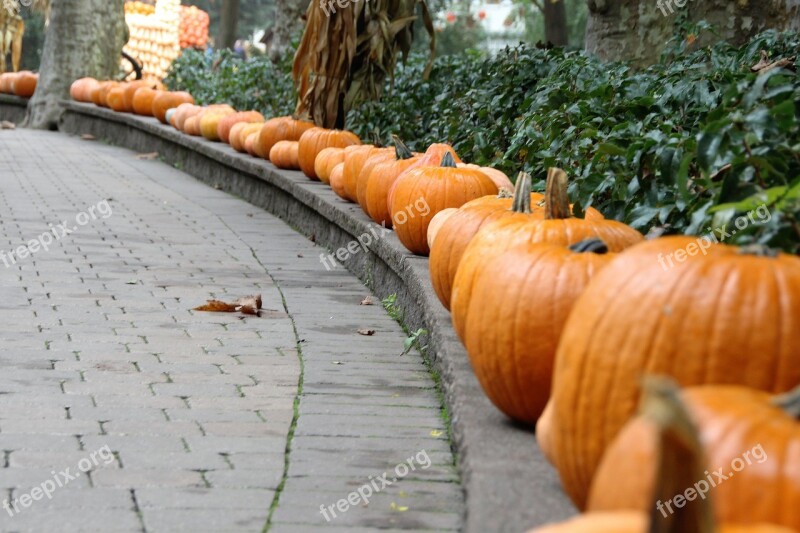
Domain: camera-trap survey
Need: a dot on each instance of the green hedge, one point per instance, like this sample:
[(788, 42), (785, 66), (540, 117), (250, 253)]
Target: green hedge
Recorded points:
[(682, 147)]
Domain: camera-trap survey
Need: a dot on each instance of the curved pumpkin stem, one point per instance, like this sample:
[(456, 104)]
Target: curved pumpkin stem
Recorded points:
[(681, 462), (448, 161), (401, 151), (595, 246), (522, 194), (789, 402), (556, 199)]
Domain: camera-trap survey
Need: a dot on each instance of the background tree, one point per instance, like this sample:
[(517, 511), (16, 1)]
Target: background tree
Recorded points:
[(286, 24), (638, 30), (555, 21), (228, 23), (83, 38)]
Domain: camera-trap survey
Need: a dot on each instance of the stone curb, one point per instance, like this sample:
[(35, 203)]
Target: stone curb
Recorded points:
[(12, 108), (509, 486)]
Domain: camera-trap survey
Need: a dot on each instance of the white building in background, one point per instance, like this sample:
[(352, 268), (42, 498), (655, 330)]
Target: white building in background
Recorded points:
[(500, 19)]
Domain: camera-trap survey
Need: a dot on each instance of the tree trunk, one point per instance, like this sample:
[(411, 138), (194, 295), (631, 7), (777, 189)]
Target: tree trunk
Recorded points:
[(84, 38), (555, 22), (229, 20), (287, 21), (638, 30)]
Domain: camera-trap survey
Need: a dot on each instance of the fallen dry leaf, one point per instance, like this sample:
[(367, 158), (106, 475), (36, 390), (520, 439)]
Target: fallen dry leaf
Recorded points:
[(87, 137), (6, 125), (248, 305), (367, 301), (149, 156), (765, 65), (367, 332)]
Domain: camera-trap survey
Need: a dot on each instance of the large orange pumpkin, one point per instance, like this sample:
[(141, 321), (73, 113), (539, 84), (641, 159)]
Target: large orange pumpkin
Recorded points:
[(700, 312), (431, 158), (24, 85), (497, 176), (680, 466), (326, 160), (143, 101), (165, 101), (392, 163), (557, 227), (741, 429), (315, 139), (279, 129), (465, 222), (284, 154), (225, 125), (520, 302)]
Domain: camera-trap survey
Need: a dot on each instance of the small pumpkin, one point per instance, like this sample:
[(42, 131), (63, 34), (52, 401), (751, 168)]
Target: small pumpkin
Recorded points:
[(210, 121), (739, 428), (438, 221), (279, 129), (192, 125), (81, 89), (240, 132), (183, 112), (326, 160), (720, 314), (558, 227), (376, 178), (168, 100), (143, 101), (437, 188), (314, 140), (337, 180), (250, 143), (354, 162), (679, 465), (497, 176), (115, 99), (100, 92), (227, 122), (520, 302), (285, 154), (130, 89), (24, 85)]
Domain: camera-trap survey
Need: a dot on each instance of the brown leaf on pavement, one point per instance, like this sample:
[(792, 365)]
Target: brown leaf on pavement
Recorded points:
[(367, 301), (249, 305), (6, 125), (367, 332), (149, 156), (87, 137), (217, 306)]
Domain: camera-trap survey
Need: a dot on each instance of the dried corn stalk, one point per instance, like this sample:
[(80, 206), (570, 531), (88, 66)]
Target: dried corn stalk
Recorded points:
[(346, 53)]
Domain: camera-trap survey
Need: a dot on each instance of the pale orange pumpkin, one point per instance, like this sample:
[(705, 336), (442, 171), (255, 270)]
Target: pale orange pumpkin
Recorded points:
[(285, 154), (326, 160), (314, 140), (227, 122), (240, 132)]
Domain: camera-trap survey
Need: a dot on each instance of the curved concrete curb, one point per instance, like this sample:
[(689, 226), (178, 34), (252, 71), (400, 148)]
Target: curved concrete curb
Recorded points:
[(509, 485), (12, 108)]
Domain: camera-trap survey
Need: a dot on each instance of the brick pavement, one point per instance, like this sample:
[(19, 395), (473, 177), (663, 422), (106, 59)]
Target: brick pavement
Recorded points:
[(103, 354)]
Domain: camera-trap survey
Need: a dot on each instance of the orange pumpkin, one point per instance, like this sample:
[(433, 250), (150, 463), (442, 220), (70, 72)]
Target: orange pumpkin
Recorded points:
[(354, 162), (250, 143), (741, 429), (337, 180), (285, 154), (210, 121), (240, 132), (497, 176), (438, 221), (227, 122), (680, 466), (115, 99), (458, 230), (326, 160), (183, 112), (279, 129), (81, 89), (100, 92), (422, 192), (192, 125), (557, 227), (130, 91), (673, 306), (314, 140), (143, 101), (6, 79), (24, 85), (165, 101), (398, 159), (380, 180), (517, 317), (431, 158)]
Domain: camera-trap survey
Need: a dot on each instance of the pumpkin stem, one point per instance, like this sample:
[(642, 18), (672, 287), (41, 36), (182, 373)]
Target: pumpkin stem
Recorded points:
[(556, 199), (680, 464), (789, 402), (448, 161), (401, 151), (376, 139), (522, 194), (759, 250), (595, 246)]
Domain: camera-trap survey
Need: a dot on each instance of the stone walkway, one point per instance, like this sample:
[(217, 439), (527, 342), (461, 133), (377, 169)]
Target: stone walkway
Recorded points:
[(123, 410)]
